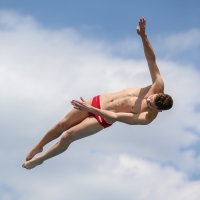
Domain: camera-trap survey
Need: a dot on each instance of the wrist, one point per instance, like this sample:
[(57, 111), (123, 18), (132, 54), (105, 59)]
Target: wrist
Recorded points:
[(91, 109), (144, 36)]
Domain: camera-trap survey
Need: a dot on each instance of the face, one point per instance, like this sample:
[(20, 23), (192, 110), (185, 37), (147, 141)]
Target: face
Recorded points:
[(150, 102)]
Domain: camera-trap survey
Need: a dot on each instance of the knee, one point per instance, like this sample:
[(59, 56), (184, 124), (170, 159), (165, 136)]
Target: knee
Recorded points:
[(67, 138), (61, 126)]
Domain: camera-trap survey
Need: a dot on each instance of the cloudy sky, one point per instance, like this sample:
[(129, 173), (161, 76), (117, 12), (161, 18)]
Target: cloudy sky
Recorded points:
[(55, 51)]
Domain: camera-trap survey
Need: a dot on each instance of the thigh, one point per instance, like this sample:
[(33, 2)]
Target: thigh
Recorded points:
[(74, 117), (87, 127)]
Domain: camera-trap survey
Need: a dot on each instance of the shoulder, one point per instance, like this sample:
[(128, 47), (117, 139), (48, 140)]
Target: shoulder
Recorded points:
[(153, 89), (158, 85)]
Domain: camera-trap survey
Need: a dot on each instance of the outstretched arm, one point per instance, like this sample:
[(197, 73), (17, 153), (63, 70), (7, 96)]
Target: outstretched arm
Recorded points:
[(150, 56), (128, 118)]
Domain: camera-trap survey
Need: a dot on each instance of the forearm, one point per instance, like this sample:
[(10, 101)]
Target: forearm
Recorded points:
[(148, 50), (104, 113)]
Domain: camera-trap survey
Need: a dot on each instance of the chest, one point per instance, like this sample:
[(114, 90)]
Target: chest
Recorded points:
[(137, 105), (132, 104)]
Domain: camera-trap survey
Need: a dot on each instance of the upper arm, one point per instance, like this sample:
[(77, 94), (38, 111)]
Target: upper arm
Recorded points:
[(134, 119), (155, 75)]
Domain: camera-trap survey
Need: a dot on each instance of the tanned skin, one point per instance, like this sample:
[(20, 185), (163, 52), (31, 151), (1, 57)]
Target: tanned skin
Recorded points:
[(134, 106)]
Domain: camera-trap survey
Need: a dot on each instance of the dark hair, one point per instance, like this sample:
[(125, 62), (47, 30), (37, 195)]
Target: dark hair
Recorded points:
[(163, 101)]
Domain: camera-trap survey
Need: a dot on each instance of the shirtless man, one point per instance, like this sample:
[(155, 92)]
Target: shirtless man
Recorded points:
[(132, 106)]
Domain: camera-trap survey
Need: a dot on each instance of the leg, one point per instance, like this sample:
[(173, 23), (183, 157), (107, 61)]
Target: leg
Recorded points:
[(73, 118), (86, 128)]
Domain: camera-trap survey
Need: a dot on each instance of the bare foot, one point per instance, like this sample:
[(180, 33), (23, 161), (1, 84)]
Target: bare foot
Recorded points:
[(32, 163), (32, 153)]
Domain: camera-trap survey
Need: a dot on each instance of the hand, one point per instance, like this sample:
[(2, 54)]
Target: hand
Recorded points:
[(81, 105), (141, 28)]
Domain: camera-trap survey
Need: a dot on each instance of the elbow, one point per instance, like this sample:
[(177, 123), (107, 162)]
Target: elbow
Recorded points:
[(115, 117), (147, 123)]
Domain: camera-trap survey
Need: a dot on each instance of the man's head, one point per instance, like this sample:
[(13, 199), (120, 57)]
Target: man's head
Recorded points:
[(160, 102)]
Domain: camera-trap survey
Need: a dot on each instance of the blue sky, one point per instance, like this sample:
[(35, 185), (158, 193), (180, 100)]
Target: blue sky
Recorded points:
[(44, 47), (113, 19)]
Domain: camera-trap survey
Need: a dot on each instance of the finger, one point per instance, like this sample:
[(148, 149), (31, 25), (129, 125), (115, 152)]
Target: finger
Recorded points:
[(76, 105), (73, 102), (137, 29), (142, 22), (78, 102), (82, 99)]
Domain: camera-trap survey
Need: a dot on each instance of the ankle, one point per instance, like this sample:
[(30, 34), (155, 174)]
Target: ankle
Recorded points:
[(38, 147), (40, 159)]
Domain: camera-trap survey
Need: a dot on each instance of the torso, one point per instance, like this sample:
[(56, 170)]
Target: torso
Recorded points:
[(132, 100)]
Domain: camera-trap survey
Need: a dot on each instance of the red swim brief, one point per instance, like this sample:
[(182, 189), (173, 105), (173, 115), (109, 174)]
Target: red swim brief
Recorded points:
[(101, 120)]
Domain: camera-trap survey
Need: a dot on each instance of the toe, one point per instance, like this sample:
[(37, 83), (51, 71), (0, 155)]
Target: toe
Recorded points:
[(24, 165), (28, 157)]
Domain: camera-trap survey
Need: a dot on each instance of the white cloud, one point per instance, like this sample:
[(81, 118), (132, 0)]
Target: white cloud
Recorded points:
[(42, 70), (113, 177), (183, 46), (146, 176), (183, 41)]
